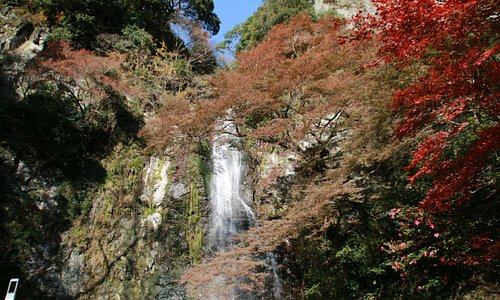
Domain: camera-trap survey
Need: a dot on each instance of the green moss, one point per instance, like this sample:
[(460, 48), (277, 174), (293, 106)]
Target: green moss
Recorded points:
[(194, 232), (312, 292), (107, 207), (157, 175), (79, 237), (135, 292), (78, 198), (199, 176), (205, 172), (124, 167), (149, 211), (170, 175), (198, 168)]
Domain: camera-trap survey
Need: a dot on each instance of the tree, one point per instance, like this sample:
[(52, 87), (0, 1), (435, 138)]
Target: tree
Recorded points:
[(458, 41), (453, 111), (81, 21), (196, 46), (271, 83), (254, 29)]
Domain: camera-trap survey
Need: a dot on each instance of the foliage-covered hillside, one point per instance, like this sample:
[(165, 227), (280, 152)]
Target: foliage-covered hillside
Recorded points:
[(82, 21), (372, 149), (76, 213), (408, 207)]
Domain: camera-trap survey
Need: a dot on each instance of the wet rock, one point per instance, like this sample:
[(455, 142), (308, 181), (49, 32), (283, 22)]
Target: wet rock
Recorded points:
[(178, 190)]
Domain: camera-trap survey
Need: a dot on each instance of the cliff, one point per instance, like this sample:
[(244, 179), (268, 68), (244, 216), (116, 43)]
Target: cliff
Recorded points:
[(128, 170)]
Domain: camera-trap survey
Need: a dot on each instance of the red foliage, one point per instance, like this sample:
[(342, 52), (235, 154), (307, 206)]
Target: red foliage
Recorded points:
[(455, 107), (458, 40), (455, 179), (81, 72), (426, 247)]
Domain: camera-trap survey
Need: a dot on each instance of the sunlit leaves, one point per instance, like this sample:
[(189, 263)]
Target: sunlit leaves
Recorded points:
[(453, 110), (458, 40)]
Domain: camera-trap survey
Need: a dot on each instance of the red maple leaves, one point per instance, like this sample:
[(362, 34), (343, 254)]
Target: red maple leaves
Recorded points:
[(457, 41), (453, 110)]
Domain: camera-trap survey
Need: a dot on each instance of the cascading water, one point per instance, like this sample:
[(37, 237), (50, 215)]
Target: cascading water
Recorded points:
[(231, 212)]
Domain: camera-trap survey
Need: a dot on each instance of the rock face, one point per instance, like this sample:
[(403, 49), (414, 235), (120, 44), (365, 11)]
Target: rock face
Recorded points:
[(20, 41), (123, 247), (155, 182), (72, 273), (20, 37), (131, 246), (29, 196), (346, 8)]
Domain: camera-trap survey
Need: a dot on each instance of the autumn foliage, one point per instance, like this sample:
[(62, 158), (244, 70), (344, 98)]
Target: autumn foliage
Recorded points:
[(453, 111), (302, 83), (277, 91), (80, 72), (458, 41), (427, 76)]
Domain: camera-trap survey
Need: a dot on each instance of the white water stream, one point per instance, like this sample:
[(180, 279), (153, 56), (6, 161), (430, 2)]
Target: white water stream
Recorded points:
[(231, 212)]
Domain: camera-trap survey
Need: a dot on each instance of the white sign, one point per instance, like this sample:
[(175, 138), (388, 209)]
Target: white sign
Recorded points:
[(12, 289)]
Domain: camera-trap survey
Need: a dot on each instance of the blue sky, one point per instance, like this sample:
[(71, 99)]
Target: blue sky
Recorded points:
[(232, 12)]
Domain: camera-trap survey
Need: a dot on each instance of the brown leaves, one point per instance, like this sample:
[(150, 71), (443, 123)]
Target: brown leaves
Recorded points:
[(271, 81), (241, 267), (299, 77), (87, 76), (224, 273)]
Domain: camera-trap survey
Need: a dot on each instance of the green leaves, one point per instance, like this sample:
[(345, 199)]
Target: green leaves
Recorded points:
[(256, 27), (202, 10), (81, 21)]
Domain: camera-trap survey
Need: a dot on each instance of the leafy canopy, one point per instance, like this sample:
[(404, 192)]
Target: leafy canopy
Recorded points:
[(80, 21), (255, 28), (458, 41)]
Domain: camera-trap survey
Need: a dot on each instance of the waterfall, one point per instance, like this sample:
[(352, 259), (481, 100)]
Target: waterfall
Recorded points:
[(231, 212)]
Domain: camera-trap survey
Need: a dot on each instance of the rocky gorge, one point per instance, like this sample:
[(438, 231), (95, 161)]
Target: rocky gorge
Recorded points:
[(133, 169)]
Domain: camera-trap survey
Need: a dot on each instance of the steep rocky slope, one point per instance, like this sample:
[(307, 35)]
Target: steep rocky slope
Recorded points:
[(107, 171)]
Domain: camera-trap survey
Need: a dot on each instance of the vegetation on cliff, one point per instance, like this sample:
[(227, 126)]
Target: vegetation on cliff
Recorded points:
[(82, 21), (391, 121), (435, 237), (71, 158), (273, 12)]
